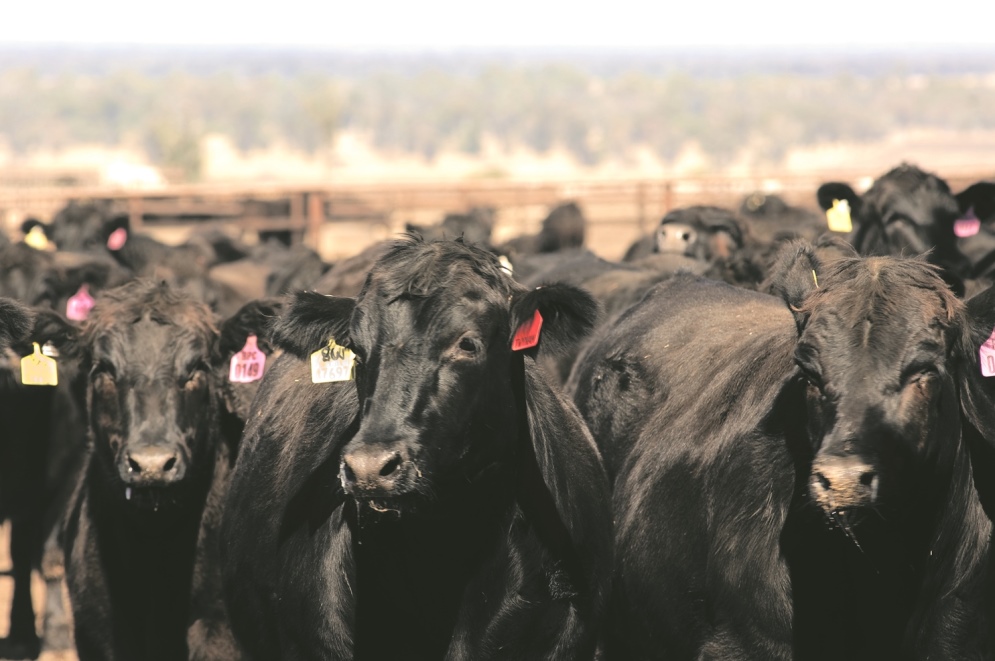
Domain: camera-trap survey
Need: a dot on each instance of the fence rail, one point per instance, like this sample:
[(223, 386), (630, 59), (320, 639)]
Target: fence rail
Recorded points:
[(304, 210)]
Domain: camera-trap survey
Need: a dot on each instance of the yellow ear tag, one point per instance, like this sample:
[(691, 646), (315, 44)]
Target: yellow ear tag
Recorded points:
[(36, 239), (332, 363), (839, 217), (39, 370)]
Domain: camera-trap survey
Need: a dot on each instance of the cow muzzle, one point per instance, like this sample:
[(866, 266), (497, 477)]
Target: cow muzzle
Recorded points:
[(378, 470), (675, 238), (843, 482), (152, 466)]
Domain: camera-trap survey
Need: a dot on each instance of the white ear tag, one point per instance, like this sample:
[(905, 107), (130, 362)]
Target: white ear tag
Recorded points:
[(332, 363)]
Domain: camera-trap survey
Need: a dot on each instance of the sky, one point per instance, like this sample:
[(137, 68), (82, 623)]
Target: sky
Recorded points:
[(440, 25)]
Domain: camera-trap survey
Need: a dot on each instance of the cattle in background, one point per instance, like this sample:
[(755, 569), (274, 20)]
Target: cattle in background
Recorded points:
[(792, 475), (447, 503), (141, 553), (563, 229), (474, 226), (771, 220), (906, 212), (975, 228)]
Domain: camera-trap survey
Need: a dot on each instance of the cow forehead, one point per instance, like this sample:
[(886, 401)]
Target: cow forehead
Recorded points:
[(439, 315), (881, 310), (151, 345)]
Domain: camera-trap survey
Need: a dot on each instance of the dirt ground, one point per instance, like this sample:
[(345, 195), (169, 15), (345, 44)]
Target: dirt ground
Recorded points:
[(37, 593)]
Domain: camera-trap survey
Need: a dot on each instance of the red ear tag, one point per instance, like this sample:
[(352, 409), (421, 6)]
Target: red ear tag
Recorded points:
[(987, 356), (248, 364), (117, 239), (527, 335), (79, 305)]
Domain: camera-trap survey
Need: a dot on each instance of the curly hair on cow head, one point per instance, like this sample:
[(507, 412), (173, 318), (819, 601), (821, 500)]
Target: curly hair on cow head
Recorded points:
[(155, 300), (414, 267)]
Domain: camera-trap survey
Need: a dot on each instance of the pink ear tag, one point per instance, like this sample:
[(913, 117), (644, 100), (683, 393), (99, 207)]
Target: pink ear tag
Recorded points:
[(117, 239), (967, 226), (987, 356), (79, 304), (248, 364), (527, 335)]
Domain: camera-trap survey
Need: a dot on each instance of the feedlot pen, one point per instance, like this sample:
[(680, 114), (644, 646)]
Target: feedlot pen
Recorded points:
[(340, 219)]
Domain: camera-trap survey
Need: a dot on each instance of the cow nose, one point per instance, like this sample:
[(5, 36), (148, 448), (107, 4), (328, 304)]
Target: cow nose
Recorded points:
[(380, 469), (153, 465), (674, 237), (839, 482)]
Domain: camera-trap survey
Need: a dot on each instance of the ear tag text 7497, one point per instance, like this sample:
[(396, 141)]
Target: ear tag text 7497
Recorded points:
[(968, 225), (838, 217), (987, 356), (527, 335), (332, 363), (38, 369), (79, 304), (248, 364)]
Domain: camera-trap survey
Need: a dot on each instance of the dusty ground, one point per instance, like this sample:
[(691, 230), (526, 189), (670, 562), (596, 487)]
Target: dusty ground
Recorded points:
[(37, 592)]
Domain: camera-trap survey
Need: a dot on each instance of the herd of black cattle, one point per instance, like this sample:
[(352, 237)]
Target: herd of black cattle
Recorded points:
[(753, 438)]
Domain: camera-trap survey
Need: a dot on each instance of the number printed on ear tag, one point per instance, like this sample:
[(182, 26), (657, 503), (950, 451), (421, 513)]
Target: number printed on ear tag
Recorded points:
[(527, 335), (838, 217), (38, 369), (332, 363), (987, 356), (248, 364)]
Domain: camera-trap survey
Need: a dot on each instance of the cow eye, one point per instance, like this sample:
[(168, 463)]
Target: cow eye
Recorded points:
[(103, 369), (467, 347)]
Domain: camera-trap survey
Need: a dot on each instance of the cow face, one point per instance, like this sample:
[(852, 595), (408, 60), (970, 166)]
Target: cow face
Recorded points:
[(704, 233), (432, 374), (151, 391), (434, 367), (875, 354)]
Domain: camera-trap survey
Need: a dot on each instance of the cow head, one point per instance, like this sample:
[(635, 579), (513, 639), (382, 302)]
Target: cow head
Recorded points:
[(151, 392), (83, 226), (905, 212), (882, 365), (432, 335), (704, 233)]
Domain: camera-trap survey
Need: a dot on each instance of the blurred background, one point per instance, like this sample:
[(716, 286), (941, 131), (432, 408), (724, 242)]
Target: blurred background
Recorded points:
[(350, 120)]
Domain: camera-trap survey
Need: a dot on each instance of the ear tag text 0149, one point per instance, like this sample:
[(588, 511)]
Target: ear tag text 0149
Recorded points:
[(527, 335), (38, 369), (838, 217), (332, 363), (248, 364), (968, 225), (117, 239), (79, 304), (987, 356)]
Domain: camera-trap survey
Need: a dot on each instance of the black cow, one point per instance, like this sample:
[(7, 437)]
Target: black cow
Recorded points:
[(563, 229), (907, 211), (447, 503), (976, 237), (141, 552), (791, 474)]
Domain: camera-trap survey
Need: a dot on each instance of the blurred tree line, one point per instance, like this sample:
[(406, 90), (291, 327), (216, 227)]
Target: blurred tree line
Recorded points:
[(593, 112)]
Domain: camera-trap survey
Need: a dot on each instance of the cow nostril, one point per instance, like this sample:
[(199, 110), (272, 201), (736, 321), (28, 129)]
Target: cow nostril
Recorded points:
[(823, 480), (348, 476), (168, 466), (867, 479), (685, 236), (134, 466), (392, 465)]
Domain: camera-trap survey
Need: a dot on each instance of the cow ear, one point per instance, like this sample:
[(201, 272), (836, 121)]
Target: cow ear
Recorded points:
[(15, 322), (567, 314), (978, 390), (835, 190), (798, 267), (254, 318), (563, 487), (309, 320), (980, 197)]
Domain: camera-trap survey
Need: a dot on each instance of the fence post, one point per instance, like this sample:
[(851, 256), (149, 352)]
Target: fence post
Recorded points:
[(315, 216)]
